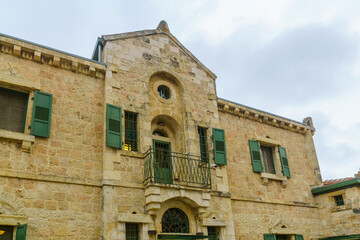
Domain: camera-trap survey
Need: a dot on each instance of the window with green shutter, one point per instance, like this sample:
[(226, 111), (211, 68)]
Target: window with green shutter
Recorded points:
[(13, 107), (21, 232), (284, 162), (255, 156), (41, 117), (113, 126), (219, 146)]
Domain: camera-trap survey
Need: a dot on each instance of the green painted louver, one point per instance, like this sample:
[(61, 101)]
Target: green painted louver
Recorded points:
[(41, 116), (256, 156), (299, 237), (219, 146), (284, 162), (113, 126), (269, 237), (21, 232)]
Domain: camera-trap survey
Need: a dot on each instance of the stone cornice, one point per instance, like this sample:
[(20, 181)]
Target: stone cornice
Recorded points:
[(263, 117), (52, 57)]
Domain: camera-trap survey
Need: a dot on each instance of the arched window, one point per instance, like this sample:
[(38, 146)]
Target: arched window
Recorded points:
[(164, 91), (175, 221)]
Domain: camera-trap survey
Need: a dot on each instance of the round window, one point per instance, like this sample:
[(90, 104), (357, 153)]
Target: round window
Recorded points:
[(164, 91)]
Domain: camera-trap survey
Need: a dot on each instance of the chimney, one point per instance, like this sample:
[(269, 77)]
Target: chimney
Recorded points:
[(357, 175)]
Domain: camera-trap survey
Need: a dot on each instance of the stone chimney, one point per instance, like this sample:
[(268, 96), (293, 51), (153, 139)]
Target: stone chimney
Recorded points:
[(357, 175)]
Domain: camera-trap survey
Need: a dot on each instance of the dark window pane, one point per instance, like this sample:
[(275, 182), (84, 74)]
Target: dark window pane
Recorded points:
[(130, 131), (267, 156), (132, 231), (12, 110)]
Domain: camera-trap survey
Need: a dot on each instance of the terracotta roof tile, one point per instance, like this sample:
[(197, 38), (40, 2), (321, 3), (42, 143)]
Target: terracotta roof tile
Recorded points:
[(334, 181)]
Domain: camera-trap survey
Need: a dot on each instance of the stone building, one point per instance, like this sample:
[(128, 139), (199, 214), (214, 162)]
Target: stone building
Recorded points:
[(135, 144)]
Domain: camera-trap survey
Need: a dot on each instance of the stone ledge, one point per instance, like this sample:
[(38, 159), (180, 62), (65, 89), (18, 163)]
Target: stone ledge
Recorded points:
[(263, 117), (258, 200), (25, 139), (267, 176), (13, 220), (131, 154), (53, 57)]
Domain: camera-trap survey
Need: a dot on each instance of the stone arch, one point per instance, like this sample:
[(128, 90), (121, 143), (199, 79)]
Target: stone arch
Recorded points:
[(177, 203), (174, 220), (170, 127)]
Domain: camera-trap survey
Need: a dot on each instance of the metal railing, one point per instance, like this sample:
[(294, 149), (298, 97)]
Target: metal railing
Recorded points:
[(174, 168)]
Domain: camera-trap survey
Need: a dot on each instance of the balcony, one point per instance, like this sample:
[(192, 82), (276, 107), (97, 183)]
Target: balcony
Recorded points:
[(172, 168)]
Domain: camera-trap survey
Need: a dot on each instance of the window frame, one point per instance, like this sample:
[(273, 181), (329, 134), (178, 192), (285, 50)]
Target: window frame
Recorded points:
[(265, 162), (135, 129), (203, 148), (127, 230), (26, 95)]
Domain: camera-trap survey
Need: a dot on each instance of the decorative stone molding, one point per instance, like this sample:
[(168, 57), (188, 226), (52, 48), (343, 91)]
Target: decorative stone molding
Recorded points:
[(56, 58), (134, 215), (282, 228), (155, 195), (264, 117), (210, 219)]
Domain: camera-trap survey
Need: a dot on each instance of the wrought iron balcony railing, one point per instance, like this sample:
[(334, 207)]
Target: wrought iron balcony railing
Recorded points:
[(174, 168)]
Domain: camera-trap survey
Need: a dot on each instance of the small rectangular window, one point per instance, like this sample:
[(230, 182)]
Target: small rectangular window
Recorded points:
[(213, 233), (339, 200), (13, 107), (267, 156), (202, 144), (6, 232), (132, 231), (130, 131)]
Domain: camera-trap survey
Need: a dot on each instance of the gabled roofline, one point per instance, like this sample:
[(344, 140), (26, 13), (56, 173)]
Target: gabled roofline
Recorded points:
[(159, 30), (337, 186)]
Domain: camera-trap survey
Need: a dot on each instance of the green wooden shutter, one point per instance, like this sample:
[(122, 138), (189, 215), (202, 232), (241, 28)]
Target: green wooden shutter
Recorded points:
[(113, 126), (41, 117), (219, 146), (299, 237), (21, 232), (269, 237), (284, 162), (255, 156)]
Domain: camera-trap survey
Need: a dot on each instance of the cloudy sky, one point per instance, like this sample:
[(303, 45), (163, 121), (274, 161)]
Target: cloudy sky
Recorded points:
[(294, 58)]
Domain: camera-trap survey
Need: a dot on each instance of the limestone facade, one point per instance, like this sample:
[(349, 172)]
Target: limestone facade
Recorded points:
[(72, 185)]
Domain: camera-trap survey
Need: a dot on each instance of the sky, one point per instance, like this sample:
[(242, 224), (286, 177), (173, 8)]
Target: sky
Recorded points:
[(294, 58)]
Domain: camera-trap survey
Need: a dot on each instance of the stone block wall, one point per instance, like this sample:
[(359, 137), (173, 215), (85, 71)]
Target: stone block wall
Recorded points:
[(74, 148), (341, 220), (53, 210)]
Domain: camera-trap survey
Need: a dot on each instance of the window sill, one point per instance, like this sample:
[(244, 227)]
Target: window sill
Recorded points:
[(266, 176), (25, 139), (341, 208), (131, 154)]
